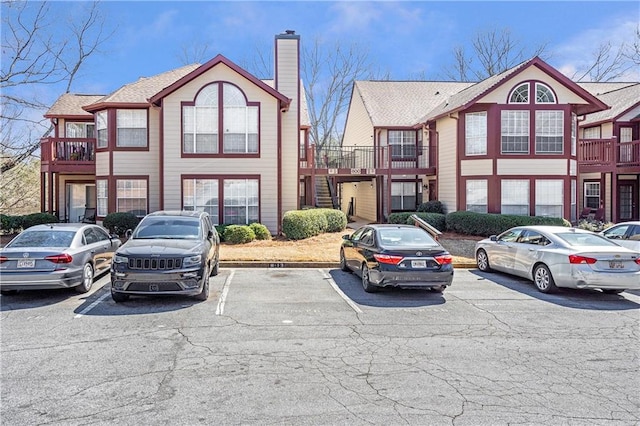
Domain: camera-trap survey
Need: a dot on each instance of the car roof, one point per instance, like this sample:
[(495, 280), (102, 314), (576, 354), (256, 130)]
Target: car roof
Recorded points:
[(59, 226), (390, 225), (184, 213), (553, 229), (630, 222)]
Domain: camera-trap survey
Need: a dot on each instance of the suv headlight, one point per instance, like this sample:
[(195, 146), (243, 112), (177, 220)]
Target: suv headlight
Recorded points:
[(119, 259), (192, 260)]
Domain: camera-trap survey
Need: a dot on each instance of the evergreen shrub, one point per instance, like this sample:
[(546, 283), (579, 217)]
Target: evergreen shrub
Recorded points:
[(261, 232), (119, 222), (239, 234)]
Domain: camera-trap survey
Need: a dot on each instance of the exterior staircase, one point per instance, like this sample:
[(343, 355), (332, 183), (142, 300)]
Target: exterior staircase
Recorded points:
[(323, 194)]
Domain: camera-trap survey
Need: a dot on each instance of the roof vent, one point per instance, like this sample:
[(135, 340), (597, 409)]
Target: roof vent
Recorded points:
[(290, 32)]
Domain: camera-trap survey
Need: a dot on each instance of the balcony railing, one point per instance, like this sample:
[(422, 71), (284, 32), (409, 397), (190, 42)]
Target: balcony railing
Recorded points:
[(605, 153), (68, 154), (371, 159)]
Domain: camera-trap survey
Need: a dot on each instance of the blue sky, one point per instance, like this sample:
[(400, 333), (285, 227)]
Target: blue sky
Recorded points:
[(403, 38)]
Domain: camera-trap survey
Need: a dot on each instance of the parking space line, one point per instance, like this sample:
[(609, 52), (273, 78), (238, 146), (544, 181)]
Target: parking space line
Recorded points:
[(225, 291), (93, 305), (350, 302)]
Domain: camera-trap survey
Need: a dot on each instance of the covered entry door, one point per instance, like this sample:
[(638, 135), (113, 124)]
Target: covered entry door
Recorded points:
[(628, 201), (79, 197)]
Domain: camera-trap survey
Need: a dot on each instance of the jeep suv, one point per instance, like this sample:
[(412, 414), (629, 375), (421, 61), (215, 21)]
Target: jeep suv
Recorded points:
[(169, 252)]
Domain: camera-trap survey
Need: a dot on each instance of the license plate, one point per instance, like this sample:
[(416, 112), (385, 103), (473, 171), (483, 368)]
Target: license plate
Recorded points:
[(615, 264), (418, 263), (26, 263)]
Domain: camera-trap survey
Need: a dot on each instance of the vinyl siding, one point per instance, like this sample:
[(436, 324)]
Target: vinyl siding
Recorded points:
[(447, 163), (102, 164), (528, 167), (358, 130), (365, 199), (476, 167)]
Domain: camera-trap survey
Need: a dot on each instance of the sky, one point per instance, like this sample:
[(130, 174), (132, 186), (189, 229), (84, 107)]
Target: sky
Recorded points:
[(401, 38)]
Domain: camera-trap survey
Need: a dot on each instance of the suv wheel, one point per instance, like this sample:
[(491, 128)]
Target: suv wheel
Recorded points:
[(204, 294)]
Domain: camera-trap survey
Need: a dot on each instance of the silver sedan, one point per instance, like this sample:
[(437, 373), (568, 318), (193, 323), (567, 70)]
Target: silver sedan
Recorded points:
[(557, 256), (57, 255)]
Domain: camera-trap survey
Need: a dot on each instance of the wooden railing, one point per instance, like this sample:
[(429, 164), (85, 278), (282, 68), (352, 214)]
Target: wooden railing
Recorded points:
[(68, 155), (367, 158), (608, 153)]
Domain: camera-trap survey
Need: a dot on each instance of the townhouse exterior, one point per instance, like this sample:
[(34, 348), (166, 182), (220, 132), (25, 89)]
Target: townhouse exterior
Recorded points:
[(213, 137), (207, 137), (521, 142)]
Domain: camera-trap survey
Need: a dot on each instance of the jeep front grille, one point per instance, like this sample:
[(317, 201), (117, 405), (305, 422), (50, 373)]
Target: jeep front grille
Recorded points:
[(156, 264)]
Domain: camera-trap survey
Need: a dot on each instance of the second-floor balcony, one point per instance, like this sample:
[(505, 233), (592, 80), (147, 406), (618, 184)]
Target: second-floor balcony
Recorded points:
[(599, 155), (68, 155), (368, 160)]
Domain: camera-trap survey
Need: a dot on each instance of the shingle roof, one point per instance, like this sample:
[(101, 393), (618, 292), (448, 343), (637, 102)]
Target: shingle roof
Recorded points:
[(620, 99), (402, 103), (304, 108), (70, 104)]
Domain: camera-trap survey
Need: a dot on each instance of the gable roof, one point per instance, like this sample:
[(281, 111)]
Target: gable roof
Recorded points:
[(470, 95), (69, 105), (621, 99), (402, 103), (219, 59)]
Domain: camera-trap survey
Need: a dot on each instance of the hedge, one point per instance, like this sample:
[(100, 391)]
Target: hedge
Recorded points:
[(119, 222), (336, 219), (301, 224), (261, 232), (433, 206), (239, 234), (487, 224), (12, 224)]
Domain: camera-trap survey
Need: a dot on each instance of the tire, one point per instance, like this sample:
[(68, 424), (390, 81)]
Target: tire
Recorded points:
[(87, 279), (482, 260), (204, 294), (343, 262), (438, 289), (612, 290), (215, 269), (366, 284), (543, 280), (119, 297)]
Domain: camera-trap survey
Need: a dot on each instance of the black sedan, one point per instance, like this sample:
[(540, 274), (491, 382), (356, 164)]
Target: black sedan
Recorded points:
[(406, 256), (57, 255)]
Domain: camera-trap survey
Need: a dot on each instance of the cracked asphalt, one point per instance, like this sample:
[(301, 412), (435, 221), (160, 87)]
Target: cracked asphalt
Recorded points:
[(310, 347)]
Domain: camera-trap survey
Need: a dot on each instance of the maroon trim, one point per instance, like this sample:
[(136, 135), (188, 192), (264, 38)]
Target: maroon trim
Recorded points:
[(105, 178), (206, 67), (161, 157), (221, 179), (93, 108)]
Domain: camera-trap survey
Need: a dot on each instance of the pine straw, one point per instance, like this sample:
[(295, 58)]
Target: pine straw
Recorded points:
[(322, 248)]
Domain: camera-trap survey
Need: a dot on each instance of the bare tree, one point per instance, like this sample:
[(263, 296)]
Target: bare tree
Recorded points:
[(40, 48), (328, 73), (612, 62), (194, 53), (493, 52)]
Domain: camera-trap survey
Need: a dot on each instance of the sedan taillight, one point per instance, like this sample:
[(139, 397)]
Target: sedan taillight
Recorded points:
[(444, 259), (637, 260), (59, 258), (575, 259), (3, 259), (388, 259)]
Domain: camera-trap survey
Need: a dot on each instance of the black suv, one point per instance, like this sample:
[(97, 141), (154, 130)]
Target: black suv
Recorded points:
[(169, 252)]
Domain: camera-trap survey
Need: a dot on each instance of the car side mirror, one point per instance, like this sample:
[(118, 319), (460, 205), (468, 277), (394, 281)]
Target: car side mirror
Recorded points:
[(493, 238), (114, 236), (210, 235), (128, 233), (346, 237)]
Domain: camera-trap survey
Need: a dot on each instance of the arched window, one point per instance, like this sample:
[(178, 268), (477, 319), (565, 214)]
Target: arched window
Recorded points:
[(520, 95), (203, 122), (544, 95)]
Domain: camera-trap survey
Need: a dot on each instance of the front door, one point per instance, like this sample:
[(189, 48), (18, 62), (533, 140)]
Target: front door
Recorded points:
[(79, 197), (628, 201)]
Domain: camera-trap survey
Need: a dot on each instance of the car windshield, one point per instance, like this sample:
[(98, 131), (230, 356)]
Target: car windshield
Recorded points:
[(44, 238), (168, 228), (585, 239), (405, 237)]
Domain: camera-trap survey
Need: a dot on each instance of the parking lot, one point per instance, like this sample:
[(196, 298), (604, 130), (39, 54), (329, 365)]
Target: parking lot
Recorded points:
[(309, 346)]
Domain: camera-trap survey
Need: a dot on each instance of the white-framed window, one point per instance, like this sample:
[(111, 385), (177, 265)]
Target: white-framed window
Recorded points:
[(200, 123), (102, 129), (131, 196), (592, 194), (625, 148), (574, 200), (591, 132), (520, 95), (403, 196), (515, 196), (102, 197), (240, 122), (574, 133), (79, 130), (514, 132), (549, 132), (549, 197), (544, 95), (402, 144), (131, 127), (476, 133), (201, 195), (241, 201), (476, 194)]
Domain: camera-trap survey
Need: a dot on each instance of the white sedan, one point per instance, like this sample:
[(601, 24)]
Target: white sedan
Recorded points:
[(557, 256), (627, 234)]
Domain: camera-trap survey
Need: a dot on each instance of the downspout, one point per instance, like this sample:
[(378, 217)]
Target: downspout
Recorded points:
[(279, 168)]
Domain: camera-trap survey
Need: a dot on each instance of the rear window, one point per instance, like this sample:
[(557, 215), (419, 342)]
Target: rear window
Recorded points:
[(580, 239), (168, 228), (45, 238), (405, 236)]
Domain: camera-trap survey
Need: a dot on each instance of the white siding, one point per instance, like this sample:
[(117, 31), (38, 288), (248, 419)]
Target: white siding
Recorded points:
[(358, 130), (365, 199), (530, 166), (102, 164), (447, 164), (476, 167)]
